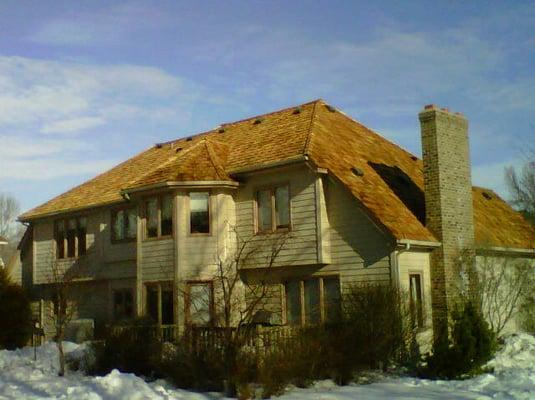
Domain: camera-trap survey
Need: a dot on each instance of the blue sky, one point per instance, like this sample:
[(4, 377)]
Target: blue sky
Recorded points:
[(86, 84)]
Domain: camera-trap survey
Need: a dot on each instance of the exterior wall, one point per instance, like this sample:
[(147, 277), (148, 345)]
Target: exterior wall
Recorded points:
[(360, 251), (301, 245), (498, 273), (419, 262), (448, 202)]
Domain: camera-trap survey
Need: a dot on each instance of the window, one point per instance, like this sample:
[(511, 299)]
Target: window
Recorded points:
[(123, 304), (199, 204), (71, 237), (199, 303), (159, 303), (159, 216), (124, 225), (416, 305), (313, 301), (273, 208)]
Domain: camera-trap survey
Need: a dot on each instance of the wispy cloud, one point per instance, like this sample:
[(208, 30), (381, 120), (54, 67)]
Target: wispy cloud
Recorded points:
[(45, 105), (72, 125), (100, 27)]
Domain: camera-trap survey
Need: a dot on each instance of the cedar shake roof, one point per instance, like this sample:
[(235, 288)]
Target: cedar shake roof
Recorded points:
[(385, 178)]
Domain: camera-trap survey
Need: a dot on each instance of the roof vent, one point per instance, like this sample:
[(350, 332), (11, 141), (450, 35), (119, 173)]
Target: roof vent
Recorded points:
[(330, 108), (487, 195), (414, 158), (178, 149), (297, 110), (357, 171), (158, 145), (221, 130), (189, 139), (258, 121)]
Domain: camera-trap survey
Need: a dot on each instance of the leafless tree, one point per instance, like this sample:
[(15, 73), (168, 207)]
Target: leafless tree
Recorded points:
[(65, 298), (498, 284), (240, 300), (9, 209), (9, 228), (521, 186)]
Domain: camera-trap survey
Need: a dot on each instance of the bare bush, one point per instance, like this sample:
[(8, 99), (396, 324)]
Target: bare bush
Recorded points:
[(499, 285)]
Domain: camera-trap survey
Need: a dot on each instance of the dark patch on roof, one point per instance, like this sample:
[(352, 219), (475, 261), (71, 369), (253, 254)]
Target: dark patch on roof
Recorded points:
[(404, 188)]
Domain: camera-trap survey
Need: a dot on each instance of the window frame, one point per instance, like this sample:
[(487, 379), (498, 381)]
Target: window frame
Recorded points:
[(187, 302), (113, 217), (123, 291), (323, 317), (65, 247), (274, 228), (209, 233), (159, 206), (419, 320)]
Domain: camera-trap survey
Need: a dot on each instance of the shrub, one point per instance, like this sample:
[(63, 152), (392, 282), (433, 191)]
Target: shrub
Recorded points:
[(472, 344), (134, 350), (15, 314)]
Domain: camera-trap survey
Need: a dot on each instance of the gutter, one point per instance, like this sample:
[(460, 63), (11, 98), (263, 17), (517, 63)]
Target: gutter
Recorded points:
[(509, 250), (252, 168), (181, 184), (404, 245)]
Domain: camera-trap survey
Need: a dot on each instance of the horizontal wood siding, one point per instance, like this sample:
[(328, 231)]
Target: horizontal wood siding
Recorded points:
[(301, 244), (157, 261), (359, 250)]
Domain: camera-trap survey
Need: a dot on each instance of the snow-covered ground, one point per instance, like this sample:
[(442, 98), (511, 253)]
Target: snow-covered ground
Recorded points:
[(22, 378)]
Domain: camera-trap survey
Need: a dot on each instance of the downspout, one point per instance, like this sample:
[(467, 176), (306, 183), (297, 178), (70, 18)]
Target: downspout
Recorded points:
[(395, 264)]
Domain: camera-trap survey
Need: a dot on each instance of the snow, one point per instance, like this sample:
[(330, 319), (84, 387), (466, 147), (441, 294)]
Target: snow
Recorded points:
[(22, 378)]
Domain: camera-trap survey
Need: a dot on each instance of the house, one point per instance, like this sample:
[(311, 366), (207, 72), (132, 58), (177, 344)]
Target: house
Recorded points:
[(145, 237)]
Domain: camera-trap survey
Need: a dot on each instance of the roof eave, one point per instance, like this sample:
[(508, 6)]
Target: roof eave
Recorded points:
[(408, 243), (181, 184), (506, 250)]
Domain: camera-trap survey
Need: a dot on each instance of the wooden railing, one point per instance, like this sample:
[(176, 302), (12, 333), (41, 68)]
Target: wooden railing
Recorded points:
[(257, 338)]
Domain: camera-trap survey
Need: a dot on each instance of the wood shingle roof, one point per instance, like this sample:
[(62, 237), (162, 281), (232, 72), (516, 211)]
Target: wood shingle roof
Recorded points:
[(385, 178)]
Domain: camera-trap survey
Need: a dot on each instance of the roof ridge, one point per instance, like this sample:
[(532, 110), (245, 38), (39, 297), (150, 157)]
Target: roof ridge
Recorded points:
[(272, 112), (309, 133), (374, 132), (170, 160), (214, 158)]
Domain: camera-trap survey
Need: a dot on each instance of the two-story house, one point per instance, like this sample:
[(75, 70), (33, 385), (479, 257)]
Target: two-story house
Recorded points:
[(145, 237)]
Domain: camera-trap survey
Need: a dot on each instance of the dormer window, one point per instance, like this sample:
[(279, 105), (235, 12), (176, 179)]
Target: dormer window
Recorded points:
[(159, 216), (273, 209)]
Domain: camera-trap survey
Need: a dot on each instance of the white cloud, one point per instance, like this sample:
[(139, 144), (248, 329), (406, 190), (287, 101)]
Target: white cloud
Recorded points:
[(41, 98), (72, 125)]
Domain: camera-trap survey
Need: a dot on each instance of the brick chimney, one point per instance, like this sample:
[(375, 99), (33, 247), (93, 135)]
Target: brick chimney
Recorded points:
[(448, 203)]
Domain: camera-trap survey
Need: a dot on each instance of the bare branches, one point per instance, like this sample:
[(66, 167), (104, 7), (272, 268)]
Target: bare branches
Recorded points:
[(499, 287), (521, 186), (9, 209)]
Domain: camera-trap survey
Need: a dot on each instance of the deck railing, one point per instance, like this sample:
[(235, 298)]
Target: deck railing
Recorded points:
[(259, 339)]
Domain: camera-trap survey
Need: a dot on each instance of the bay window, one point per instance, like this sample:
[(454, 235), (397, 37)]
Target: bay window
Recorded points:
[(199, 212), (199, 303)]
